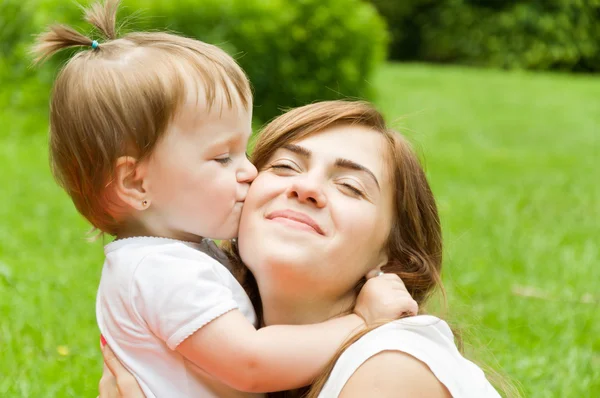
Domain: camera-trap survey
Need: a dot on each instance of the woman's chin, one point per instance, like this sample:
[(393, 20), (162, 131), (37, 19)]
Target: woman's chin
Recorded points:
[(281, 257)]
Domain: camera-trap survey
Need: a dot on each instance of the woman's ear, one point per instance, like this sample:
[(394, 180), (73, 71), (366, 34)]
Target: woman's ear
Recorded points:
[(381, 261), (129, 183)]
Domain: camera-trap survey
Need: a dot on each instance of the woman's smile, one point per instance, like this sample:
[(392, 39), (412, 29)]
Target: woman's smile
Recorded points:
[(296, 220)]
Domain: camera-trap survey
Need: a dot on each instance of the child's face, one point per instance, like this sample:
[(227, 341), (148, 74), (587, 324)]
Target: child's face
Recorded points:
[(198, 174)]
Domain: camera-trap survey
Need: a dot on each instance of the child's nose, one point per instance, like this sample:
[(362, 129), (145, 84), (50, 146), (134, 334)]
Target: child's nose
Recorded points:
[(247, 173)]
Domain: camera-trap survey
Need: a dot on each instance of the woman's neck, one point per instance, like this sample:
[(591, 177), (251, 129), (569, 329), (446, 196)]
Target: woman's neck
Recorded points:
[(281, 308)]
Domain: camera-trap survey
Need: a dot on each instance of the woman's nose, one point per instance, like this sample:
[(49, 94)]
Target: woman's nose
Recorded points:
[(307, 190), (247, 173)]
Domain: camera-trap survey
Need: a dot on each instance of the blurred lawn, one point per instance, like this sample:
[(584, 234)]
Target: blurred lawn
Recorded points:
[(513, 161)]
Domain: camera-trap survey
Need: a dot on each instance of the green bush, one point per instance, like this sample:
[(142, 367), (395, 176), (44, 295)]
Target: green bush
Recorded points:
[(14, 17), (294, 52), (24, 86), (529, 34), (402, 17), (15, 27)]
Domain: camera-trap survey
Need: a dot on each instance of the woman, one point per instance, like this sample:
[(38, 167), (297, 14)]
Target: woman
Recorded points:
[(337, 196)]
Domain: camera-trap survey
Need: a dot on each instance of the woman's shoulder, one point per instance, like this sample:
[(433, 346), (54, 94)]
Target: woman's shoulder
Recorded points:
[(425, 338), (419, 332), (421, 324)]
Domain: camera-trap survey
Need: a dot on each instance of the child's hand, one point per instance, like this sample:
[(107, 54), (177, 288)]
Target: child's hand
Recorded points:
[(384, 298)]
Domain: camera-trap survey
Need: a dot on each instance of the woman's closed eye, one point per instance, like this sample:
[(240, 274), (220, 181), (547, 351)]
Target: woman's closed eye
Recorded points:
[(284, 167), (353, 189)]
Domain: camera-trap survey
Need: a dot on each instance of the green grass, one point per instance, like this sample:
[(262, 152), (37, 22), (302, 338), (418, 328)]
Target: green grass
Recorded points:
[(513, 160), (511, 157)]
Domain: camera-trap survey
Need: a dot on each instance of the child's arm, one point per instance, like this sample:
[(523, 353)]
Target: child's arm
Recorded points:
[(284, 357), (273, 358)]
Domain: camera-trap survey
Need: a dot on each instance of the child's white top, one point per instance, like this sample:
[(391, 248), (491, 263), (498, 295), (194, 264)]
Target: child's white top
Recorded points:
[(428, 339), (154, 293)]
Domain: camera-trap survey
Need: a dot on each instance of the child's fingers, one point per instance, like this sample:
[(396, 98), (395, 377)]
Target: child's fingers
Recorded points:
[(412, 307), (372, 274)]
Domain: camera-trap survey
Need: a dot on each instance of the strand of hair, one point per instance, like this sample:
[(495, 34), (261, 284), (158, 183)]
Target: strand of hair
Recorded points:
[(55, 39), (103, 17)]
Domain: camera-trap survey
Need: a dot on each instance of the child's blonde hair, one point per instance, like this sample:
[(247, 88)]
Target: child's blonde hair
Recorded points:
[(118, 97)]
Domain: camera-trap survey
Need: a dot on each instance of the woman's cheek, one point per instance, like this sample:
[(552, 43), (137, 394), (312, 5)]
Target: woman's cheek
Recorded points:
[(261, 187), (359, 218)]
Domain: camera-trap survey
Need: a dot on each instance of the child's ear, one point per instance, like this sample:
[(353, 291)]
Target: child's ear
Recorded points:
[(129, 184)]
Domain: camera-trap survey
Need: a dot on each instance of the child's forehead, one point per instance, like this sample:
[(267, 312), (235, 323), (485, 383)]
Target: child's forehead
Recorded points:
[(211, 113), (216, 124), (195, 109), (209, 96)]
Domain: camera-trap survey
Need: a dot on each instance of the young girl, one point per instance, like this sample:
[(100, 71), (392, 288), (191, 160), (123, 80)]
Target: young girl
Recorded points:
[(148, 134)]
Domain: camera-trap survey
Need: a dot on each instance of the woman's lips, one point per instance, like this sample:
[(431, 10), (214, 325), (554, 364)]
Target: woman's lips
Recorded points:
[(295, 219)]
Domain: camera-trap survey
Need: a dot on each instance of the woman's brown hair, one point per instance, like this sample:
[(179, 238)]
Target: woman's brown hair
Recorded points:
[(414, 244), (118, 96)]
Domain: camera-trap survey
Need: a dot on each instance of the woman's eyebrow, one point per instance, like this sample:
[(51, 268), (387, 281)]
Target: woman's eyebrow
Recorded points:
[(299, 150), (349, 164), (339, 162)]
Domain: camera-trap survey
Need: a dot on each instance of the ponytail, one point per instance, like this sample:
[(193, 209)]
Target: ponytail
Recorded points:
[(60, 37), (104, 18)]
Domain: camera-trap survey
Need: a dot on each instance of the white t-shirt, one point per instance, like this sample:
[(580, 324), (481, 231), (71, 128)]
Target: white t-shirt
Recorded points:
[(154, 293), (428, 339)]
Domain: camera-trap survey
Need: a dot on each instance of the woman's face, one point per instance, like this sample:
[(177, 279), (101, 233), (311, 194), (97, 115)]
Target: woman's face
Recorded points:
[(317, 216)]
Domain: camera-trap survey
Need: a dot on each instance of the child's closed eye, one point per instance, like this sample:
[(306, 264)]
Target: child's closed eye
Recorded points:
[(224, 160)]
